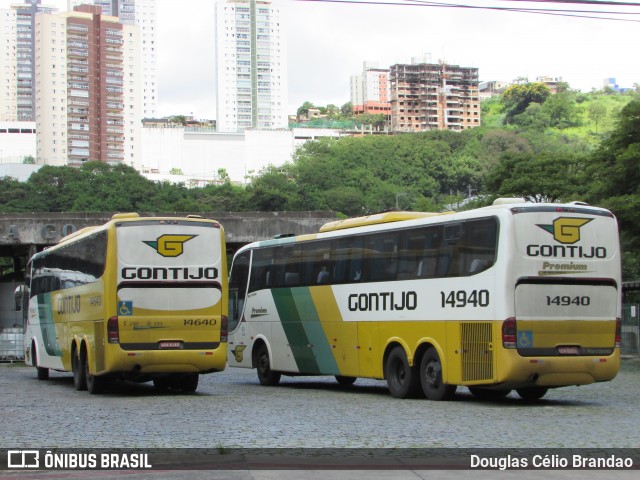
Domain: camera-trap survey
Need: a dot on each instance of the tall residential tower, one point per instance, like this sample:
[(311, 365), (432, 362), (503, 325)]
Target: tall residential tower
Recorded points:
[(17, 62), (142, 13), (87, 88), (251, 66)]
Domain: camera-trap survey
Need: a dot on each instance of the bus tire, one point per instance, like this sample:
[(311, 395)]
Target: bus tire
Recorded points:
[(487, 393), (79, 374), (532, 393), (95, 384), (189, 382), (431, 377), (402, 378), (345, 381), (266, 376), (41, 372)]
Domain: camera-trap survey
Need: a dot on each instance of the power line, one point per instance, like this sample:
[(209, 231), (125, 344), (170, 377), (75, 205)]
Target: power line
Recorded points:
[(586, 14)]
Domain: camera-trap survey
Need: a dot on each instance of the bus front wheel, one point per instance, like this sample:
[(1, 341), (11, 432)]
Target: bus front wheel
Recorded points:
[(267, 377), (532, 393), (431, 377), (42, 373), (402, 378)]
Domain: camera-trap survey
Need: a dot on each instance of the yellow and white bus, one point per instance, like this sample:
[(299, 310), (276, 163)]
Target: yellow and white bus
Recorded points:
[(139, 298), (512, 296)]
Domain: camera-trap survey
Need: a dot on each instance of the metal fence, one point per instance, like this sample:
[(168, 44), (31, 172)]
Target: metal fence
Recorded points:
[(11, 348)]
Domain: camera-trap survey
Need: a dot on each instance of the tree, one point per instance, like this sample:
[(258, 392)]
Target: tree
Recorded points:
[(597, 111), (303, 110), (29, 160), (178, 119), (517, 98), (613, 181), (562, 110), (534, 117), (347, 109), (546, 177)]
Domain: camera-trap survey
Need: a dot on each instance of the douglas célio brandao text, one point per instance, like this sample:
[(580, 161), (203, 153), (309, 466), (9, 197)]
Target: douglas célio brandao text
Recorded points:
[(550, 461)]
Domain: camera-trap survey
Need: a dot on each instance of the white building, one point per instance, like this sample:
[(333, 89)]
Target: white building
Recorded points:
[(251, 66), (370, 90), (195, 156), (17, 60), (17, 141)]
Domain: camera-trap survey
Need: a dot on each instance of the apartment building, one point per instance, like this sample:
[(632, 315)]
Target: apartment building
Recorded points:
[(251, 66), (430, 96), (17, 63), (87, 88), (370, 90), (142, 13)]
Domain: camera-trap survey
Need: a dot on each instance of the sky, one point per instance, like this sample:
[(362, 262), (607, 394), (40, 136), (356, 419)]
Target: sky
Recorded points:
[(328, 42)]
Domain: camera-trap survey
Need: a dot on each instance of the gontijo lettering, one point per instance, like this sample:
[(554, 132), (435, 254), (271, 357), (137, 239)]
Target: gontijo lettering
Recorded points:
[(169, 273)]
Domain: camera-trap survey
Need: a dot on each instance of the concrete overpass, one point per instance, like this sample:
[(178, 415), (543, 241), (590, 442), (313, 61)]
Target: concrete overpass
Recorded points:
[(22, 234)]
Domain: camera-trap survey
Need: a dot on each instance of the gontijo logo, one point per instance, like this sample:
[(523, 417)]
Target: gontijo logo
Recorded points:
[(565, 229), (170, 245)]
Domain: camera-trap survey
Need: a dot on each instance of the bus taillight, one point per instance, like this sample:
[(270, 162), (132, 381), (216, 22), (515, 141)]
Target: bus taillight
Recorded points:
[(618, 332), (113, 332), (509, 333)]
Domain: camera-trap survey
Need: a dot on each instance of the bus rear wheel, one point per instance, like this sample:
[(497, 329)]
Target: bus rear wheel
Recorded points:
[(402, 378), (188, 383), (488, 394), (79, 374), (345, 381), (95, 384), (266, 376), (532, 393), (431, 377)]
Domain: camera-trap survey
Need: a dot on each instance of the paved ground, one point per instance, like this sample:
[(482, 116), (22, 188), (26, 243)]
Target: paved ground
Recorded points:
[(231, 410)]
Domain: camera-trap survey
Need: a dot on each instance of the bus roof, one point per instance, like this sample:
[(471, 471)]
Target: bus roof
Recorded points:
[(378, 218)]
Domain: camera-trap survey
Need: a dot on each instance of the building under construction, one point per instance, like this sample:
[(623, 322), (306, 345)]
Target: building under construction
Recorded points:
[(429, 96)]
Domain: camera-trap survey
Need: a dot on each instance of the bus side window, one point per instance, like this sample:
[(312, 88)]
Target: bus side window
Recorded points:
[(346, 254), (381, 262)]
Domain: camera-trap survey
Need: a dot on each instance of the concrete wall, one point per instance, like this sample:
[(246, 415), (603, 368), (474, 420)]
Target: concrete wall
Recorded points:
[(20, 229)]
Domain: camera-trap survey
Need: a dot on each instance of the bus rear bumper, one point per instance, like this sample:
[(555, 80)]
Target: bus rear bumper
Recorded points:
[(163, 361), (520, 372)]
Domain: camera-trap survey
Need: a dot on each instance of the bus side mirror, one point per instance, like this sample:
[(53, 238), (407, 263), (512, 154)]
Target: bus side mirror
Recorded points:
[(17, 298)]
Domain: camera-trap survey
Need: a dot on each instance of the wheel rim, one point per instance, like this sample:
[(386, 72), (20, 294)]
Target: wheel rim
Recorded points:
[(263, 364), (433, 373), (399, 373)]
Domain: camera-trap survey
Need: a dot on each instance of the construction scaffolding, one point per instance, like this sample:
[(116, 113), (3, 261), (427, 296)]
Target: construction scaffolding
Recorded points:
[(434, 96)]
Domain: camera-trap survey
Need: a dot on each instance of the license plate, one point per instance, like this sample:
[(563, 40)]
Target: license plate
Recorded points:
[(568, 351), (170, 345)]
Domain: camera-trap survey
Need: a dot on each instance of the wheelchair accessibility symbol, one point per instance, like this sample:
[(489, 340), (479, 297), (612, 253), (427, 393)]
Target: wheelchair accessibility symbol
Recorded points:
[(125, 308), (525, 339)]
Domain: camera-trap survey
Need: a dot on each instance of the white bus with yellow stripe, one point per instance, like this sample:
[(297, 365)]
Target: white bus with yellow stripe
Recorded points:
[(139, 298), (513, 296)]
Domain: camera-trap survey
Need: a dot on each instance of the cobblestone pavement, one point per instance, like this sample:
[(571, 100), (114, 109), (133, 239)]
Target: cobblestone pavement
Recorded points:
[(231, 410)]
